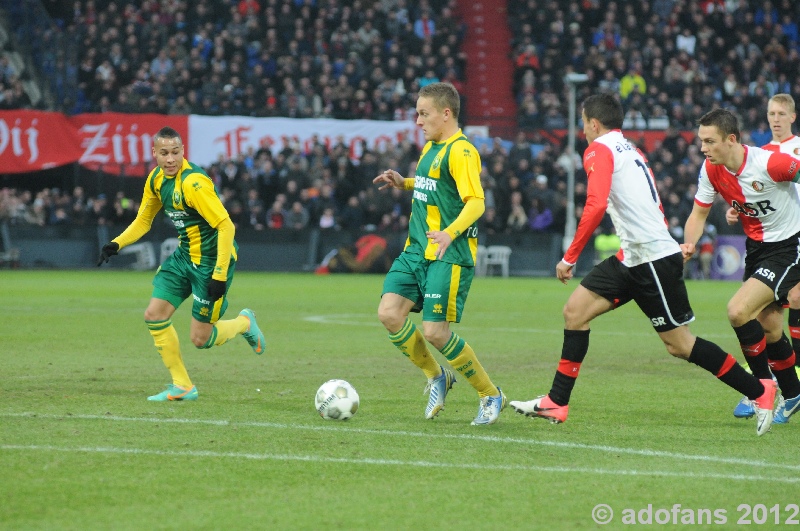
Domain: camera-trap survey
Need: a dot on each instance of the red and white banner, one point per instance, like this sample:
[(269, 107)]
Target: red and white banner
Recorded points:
[(215, 137), (35, 140), (122, 144), (119, 143)]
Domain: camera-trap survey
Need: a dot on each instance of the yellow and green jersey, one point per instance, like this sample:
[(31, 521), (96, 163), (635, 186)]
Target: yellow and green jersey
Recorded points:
[(447, 173), (191, 202)]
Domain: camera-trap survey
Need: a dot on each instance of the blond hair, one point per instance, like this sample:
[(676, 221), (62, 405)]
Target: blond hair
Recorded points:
[(444, 96), (784, 99)]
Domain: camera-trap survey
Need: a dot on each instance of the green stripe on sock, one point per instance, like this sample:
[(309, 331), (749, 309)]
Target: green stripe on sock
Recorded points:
[(211, 339), (403, 334), (159, 325), (453, 347)]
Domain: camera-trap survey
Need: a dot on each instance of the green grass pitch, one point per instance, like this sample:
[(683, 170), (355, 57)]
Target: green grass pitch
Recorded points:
[(82, 448)]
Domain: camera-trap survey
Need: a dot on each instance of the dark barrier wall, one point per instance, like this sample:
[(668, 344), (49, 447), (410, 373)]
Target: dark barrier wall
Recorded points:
[(70, 247)]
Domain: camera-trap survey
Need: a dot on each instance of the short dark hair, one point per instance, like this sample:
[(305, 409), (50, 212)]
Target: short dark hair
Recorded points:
[(604, 108), (724, 120), (167, 132), (444, 96)]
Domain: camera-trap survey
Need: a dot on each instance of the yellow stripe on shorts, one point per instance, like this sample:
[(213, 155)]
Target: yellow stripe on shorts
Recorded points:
[(455, 279)]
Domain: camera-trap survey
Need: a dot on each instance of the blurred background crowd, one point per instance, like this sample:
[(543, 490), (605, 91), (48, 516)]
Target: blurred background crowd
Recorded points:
[(669, 61)]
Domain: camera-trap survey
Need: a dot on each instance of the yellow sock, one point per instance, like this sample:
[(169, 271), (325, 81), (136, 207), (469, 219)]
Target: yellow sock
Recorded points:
[(167, 344), (227, 330), (463, 359), (411, 343)]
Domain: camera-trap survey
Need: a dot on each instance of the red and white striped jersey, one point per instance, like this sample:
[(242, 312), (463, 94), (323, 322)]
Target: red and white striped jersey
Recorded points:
[(620, 182), (761, 191), (791, 146)]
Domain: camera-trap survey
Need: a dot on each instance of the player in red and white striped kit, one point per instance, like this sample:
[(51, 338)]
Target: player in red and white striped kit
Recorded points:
[(781, 115), (648, 270), (758, 184)]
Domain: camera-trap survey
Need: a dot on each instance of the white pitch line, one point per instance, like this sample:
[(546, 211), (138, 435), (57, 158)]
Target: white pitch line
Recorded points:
[(352, 319), (401, 433), (396, 462)]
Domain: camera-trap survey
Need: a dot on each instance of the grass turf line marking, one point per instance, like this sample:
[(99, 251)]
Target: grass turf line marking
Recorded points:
[(355, 319), (486, 438), (395, 462)]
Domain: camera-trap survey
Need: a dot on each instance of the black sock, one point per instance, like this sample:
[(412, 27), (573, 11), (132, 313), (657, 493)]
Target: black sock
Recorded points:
[(781, 361), (709, 356), (754, 346), (794, 331), (574, 349)]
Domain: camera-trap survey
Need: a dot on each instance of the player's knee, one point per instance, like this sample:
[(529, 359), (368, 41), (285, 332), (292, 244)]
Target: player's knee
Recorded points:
[(572, 317), (679, 351), (737, 316), (390, 318), (436, 336), (200, 339), (151, 314), (794, 298)]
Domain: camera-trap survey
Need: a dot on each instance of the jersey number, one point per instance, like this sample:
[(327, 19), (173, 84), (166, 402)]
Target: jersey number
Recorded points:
[(647, 174)]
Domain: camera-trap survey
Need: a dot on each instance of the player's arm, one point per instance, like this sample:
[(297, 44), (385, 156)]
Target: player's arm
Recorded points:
[(598, 162), (703, 199), (392, 179), (783, 167), (199, 193), (465, 167), (693, 229), (148, 209)]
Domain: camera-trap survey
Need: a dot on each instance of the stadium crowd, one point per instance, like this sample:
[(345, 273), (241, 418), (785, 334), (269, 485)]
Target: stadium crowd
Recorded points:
[(668, 60)]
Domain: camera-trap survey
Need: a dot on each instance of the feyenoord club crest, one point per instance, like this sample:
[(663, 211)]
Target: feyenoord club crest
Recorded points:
[(757, 186)]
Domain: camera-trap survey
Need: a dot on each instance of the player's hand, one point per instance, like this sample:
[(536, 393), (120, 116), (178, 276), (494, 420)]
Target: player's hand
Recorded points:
[(731, 216), (564, 271), (215, 290), (390, 179), (108, 250), (440, 238), (688, 250)]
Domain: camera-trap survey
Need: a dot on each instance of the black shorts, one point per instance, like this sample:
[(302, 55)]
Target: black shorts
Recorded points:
[(657, 287), (776, 264)]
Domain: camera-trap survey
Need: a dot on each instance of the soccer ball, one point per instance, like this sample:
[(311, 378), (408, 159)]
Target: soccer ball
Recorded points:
[(336, 399)]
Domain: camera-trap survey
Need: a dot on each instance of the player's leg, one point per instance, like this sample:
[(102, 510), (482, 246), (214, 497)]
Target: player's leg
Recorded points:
[(781, 361), (709, 356), (599, 292), (170, 287), (743, 309), (794, 321), (208, 329), (401, 295), (446, 290)]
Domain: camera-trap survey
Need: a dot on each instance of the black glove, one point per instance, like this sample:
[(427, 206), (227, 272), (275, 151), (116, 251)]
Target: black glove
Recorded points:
[(215, 290), (109, 250)]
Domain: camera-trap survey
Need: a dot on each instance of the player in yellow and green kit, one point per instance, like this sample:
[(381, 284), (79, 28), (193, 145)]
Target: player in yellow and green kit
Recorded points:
[(435, 270), (202, 267)]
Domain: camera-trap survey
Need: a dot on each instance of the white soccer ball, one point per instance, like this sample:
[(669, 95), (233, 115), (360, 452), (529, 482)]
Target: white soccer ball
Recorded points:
[(337, 400)]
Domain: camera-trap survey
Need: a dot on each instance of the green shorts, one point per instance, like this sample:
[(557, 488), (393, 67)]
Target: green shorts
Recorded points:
[(438, 289), (178, 278)]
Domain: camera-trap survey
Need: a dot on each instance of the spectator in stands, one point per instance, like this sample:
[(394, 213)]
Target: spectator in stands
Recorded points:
[(517, 220), (297, 218)]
